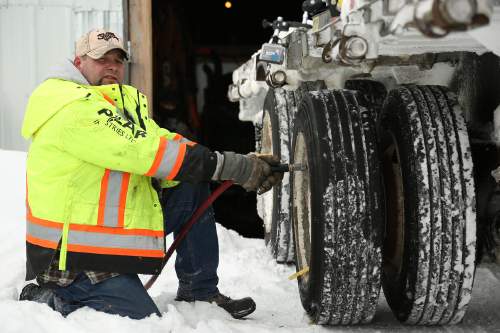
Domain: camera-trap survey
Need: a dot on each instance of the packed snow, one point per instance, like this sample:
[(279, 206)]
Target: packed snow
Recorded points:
[(246, 269)]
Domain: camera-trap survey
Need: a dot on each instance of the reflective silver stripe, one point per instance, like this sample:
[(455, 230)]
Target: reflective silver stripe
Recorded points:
[(168, 160), (115, 241), (113, 199), (85, 238), (38, 231)]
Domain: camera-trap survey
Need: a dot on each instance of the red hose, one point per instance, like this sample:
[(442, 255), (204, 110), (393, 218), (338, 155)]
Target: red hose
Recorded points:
[(199, 211)]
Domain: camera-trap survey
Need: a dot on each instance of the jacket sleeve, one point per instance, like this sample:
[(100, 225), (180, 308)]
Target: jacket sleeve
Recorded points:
[(92, 130)]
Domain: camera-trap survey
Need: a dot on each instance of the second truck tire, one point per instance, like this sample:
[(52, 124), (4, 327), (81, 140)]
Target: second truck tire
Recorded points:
[(337, 208), (429, 246)]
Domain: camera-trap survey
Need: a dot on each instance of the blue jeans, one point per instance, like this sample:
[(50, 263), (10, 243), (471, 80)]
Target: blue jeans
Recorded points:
[(198, 253), (196, 265), (123, 295)]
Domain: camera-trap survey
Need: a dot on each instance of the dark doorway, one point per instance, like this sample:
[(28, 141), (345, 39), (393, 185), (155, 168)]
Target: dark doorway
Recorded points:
[(196, 45)]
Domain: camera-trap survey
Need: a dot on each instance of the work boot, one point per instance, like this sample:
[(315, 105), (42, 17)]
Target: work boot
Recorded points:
[(30, 292), (238, 308)]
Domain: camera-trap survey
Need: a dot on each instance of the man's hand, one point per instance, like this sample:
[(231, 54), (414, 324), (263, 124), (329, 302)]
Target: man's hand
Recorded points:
[(272, 178), (252, 171)]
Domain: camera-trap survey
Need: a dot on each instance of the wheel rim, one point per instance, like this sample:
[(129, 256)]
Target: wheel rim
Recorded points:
[(394, 234), (302, 207), (267, 148)]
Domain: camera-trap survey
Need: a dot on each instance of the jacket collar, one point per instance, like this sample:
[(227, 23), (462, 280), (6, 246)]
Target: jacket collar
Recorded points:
[(68, 72)]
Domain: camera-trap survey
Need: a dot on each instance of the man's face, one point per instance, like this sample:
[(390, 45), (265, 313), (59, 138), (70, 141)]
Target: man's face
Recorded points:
[(108, 69)]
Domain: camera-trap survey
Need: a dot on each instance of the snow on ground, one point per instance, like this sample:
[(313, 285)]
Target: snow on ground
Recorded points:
[(246, 269)]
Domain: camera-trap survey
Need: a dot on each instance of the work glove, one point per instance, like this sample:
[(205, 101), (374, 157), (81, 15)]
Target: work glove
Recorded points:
[(252, 171)]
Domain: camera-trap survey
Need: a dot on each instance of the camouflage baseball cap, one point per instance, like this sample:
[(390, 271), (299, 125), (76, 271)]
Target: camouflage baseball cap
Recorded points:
[(97, 42)]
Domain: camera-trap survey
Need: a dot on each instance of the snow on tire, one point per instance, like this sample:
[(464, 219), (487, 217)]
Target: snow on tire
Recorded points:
[(429, 245), (337, 208), (273, 206)]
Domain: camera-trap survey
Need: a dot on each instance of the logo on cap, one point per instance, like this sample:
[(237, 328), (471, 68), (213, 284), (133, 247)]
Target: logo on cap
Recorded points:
[(107, 36)]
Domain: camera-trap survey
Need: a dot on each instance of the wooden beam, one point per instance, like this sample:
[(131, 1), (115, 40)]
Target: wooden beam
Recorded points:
[(140, 29)]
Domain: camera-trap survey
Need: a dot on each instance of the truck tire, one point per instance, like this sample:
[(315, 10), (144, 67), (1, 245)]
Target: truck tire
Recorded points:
[(274, 205), (337, 208), (429, 244), (273, 135)]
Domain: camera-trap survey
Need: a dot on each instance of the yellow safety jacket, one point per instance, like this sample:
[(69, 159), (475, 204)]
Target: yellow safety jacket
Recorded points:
[(88, 186)]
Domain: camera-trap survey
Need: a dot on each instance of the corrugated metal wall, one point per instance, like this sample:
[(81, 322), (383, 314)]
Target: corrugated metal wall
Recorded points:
[(34, 36)]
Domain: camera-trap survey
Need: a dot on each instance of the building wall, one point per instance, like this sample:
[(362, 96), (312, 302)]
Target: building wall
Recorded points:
[(34, 36)]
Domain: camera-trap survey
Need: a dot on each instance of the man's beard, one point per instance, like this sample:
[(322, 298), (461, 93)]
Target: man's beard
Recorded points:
[(100, 82)]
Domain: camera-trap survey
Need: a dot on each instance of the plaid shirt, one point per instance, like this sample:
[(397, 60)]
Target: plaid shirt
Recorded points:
[(64, 278)]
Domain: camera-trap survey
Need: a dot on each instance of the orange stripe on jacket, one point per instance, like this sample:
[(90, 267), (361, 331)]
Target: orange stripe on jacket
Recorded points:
[(106, 97), (102, 197), (159, 155), (178, 162), (179, 137), (116, 251), (41, 242)]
